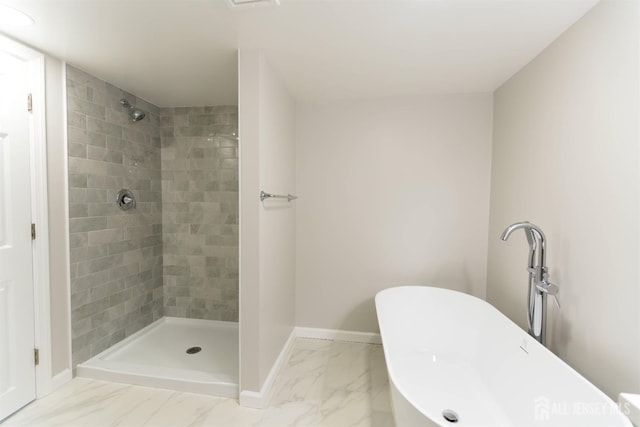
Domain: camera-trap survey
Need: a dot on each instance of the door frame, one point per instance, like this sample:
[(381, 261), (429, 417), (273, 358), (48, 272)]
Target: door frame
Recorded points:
[(39, 208)]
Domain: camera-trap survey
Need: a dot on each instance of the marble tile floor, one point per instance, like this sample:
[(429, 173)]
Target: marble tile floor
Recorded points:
[(324, 383)]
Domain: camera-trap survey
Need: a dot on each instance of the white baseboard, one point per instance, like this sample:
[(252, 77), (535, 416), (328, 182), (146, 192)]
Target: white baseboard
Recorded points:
[(251, 399), (337, 335), (258, 400), (61, 379)]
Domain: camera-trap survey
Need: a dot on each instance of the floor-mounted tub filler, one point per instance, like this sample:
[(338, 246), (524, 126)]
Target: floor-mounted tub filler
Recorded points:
[(196, 356), (455, 359)]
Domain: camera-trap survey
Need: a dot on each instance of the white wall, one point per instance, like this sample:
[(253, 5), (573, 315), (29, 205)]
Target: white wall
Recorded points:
[(58, 217), (392, 191), (277, 217), (565, 156), (267, 230)]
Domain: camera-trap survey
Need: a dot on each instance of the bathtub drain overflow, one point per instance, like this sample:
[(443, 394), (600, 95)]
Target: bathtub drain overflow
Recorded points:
[(194, 350), (450, 416)]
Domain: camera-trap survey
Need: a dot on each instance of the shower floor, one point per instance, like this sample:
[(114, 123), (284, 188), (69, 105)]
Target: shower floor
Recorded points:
[(156, 356)]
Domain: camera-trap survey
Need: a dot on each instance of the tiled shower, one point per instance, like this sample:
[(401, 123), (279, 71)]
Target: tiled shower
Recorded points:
[(176, 253)]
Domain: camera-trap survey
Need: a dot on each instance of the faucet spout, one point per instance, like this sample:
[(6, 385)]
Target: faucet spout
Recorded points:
[(534, 235), (513, 227)]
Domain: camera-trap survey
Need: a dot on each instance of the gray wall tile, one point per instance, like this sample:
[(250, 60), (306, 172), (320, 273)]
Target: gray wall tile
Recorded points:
[(104, 255), (195, 225)]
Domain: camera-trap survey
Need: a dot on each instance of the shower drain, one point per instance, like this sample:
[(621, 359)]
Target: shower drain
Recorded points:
[(450, 415), (194, 350)]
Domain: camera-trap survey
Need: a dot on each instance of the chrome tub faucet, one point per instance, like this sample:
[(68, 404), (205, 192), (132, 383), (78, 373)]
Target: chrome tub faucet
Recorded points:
[(539, 285)]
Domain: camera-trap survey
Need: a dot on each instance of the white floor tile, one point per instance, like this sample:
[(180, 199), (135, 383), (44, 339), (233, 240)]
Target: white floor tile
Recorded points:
[(324, 383)]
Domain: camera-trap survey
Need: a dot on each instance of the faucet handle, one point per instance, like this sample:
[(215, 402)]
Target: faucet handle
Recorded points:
[(549, 289)]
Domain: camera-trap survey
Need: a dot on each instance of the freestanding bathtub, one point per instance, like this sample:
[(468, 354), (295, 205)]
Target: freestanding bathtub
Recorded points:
[(455, 359)]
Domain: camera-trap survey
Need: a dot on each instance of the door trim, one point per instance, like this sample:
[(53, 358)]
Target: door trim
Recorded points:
[(39, 208)]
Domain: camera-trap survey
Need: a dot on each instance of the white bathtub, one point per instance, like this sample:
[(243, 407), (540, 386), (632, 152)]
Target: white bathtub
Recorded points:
[(446, 350)]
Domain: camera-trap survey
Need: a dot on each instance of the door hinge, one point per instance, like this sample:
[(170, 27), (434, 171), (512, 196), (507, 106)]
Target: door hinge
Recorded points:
[(36, 356), (33, 232), (29, 103)]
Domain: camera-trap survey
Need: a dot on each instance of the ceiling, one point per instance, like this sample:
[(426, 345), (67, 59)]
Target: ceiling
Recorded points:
[(183, 52)]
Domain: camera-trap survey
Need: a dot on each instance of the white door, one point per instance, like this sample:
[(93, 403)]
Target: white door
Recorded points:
[(17, 368)]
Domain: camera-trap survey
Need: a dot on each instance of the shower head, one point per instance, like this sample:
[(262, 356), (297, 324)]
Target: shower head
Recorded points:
[(135, 114)]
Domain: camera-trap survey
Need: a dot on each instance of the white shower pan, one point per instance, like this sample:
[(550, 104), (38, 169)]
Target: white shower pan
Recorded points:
[(157, 356)]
